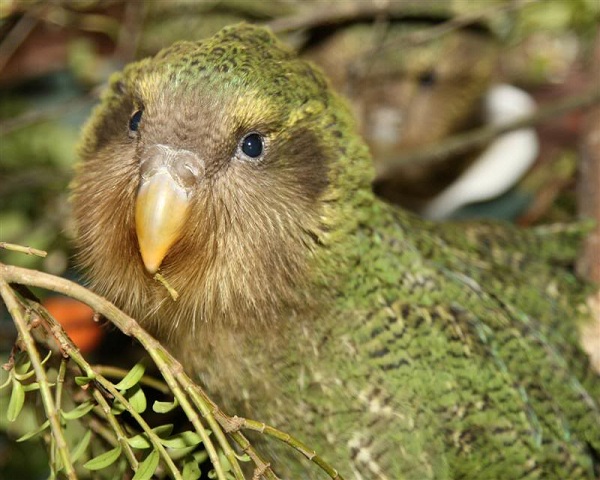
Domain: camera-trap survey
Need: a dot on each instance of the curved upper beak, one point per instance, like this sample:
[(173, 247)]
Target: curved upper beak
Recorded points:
[(163, 201)]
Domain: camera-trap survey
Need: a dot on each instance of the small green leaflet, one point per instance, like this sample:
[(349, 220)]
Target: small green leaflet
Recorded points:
[(164, 407), (78, 412), (141, 441), (147, 468), (136, 398), (81, 446), (104, 460), (182, 440), (37, 431), (132, 378), (17, 399)]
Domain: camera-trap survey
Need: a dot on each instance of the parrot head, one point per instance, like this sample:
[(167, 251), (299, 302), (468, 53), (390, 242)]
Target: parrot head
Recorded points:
[(212, 163)]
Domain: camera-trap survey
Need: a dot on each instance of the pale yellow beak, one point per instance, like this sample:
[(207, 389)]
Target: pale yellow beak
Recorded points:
[(161, 210)]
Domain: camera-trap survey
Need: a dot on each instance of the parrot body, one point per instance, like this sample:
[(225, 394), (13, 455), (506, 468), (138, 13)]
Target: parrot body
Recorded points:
[(393, 347)]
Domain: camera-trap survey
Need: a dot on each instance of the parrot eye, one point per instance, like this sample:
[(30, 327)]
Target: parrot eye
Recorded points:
[(134, 121), (252, 145)]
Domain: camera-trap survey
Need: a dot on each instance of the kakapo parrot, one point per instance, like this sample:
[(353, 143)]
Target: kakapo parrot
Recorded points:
[(394, 347)]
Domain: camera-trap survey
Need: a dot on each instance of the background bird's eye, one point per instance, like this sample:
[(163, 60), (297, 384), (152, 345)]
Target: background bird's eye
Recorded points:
[(252, 145), (134, 121), (427, 78)]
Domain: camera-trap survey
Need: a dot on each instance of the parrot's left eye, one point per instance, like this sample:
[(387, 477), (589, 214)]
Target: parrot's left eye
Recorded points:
[(134, 121), (252, 145)]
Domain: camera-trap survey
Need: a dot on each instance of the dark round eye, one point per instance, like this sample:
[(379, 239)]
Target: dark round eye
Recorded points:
[(134, 121), (427, 78), (252, 145)]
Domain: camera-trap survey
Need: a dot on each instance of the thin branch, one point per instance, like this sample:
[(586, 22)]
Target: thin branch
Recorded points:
[(16, 313), (164, 360), (457, 22), (297, 445), (339, 12), (16, 37), (200, 399), (101, 430), (121, 436), (60, 380), (359, 67), (162, 357), (262, 466), (478, 138), (335, 13), (69, 350), (22, 249)]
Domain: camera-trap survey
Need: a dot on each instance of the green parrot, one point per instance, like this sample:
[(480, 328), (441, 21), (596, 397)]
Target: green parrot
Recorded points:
[(396, 348)]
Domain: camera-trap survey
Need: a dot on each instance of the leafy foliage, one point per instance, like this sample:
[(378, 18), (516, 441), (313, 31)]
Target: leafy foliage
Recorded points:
[(95, 427)]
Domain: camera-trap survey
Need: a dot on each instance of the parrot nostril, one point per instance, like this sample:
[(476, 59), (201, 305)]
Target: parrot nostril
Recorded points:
[(184, 166), (188, 169)]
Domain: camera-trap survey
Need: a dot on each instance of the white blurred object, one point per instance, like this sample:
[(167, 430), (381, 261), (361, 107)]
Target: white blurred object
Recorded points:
[(500, 165)]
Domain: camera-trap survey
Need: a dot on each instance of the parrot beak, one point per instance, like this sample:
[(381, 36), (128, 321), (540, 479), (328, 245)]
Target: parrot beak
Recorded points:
[(162, 203)]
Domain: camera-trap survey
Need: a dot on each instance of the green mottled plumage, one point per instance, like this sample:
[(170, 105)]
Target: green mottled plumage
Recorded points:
[(394, 347)]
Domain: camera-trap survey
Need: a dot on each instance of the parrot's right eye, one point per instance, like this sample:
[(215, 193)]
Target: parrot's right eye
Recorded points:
[(134, 121)]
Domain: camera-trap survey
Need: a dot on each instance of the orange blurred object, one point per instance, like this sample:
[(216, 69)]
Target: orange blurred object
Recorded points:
[(78, 321)]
